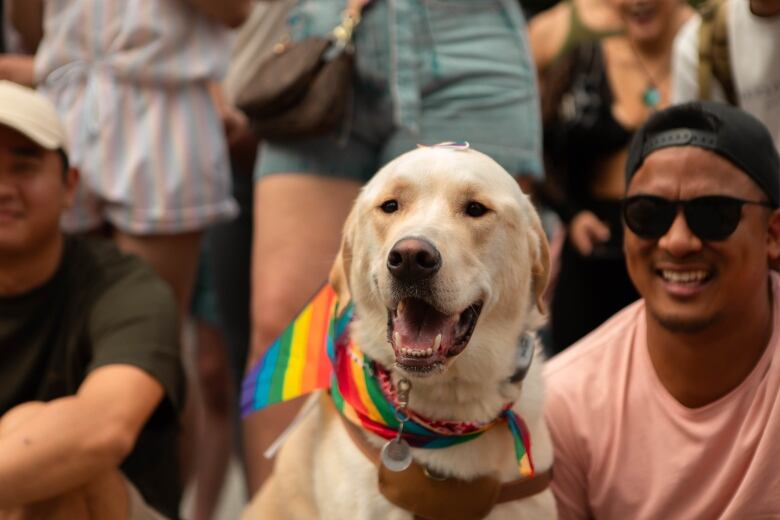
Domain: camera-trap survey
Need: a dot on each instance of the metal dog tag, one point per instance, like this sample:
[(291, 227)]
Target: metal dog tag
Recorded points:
[(396, 455)]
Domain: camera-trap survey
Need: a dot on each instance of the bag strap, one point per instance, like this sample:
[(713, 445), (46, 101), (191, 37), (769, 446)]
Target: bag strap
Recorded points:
[(714, 58), (350, 19)]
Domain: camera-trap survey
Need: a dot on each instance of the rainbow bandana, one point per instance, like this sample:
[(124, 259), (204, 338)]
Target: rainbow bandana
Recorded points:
[(315, 352)]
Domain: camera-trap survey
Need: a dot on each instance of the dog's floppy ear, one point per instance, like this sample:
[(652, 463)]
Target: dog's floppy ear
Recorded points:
[(541, 266), (339, 273)]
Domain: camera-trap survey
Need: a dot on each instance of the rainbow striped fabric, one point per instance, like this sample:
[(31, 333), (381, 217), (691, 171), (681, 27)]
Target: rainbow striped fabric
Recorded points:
[(362, 392), (298, 361), (315, 352)]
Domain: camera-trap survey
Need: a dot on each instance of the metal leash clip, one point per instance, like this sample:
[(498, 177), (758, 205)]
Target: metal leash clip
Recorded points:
[(396, 455)]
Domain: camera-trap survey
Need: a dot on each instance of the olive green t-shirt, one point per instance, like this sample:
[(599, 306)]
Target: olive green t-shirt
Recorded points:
[(100, 308)]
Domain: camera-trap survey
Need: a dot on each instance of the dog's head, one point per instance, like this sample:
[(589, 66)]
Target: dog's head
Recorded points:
[(446, 261)]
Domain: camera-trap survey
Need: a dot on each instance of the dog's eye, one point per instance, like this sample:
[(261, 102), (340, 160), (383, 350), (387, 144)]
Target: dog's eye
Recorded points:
[(389, 206), (475, 209)]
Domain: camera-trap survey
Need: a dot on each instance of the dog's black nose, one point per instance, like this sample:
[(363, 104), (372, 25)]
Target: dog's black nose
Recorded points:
[(413, 259)]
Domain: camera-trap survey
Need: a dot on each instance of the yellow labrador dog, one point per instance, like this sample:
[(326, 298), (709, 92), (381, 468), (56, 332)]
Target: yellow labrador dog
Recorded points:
[(445, 260)]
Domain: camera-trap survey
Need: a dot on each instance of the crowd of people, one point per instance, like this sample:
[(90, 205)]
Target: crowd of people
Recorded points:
[(152, 246)]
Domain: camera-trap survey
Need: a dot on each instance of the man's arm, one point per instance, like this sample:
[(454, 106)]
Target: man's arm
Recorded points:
[(232, 13), (75, 438)]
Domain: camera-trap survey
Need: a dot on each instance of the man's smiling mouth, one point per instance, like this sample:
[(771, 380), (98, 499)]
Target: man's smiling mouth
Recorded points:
[(685, 277), (683, 282)]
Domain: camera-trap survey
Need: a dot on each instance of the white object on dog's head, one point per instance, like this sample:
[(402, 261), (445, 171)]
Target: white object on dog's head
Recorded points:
[(452, 145)]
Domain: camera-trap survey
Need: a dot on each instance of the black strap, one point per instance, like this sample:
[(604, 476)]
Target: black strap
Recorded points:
[(680, 137)]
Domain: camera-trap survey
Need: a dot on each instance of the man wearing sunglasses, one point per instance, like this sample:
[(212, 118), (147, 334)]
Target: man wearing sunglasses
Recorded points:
[(671, 409)]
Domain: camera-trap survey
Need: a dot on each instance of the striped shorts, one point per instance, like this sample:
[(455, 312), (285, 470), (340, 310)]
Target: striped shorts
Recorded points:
[(153, 158)]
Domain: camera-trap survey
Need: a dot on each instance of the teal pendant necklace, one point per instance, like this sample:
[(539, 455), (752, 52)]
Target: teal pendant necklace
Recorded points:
[(651, 95)]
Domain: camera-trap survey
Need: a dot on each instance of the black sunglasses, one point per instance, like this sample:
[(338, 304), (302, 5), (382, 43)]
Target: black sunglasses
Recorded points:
[(711, 218)]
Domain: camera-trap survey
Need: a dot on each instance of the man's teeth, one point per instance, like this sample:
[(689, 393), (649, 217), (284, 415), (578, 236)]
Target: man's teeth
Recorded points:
[(684, 276)]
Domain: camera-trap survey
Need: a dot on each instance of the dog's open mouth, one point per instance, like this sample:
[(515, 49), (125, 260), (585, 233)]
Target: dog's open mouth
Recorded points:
[(424, 338)]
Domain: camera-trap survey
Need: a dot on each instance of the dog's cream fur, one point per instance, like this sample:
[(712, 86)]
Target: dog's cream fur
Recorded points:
[(499, 258)]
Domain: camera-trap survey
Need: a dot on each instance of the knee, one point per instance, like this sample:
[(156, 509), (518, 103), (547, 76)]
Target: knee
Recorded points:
[(19, 414), (108, 495), (105, 496), (272, 311)]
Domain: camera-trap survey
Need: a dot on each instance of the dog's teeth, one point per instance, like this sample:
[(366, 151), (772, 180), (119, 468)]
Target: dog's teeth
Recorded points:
[(397, 338), (429, 351), (400, 307), (437, 342)]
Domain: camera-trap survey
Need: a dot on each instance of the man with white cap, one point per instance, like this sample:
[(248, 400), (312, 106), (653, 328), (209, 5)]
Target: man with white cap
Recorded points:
[(89, 360)]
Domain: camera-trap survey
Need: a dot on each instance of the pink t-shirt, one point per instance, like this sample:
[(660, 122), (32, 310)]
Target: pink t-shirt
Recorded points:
[(626, 449)]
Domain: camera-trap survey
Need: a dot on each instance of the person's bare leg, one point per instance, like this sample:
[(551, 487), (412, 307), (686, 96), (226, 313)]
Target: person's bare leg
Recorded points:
[(173, 257), (214, 432), (104, 497), (297, 230)]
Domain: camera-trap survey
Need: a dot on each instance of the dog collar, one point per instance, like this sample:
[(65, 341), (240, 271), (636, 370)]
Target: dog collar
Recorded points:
[(363, 393)]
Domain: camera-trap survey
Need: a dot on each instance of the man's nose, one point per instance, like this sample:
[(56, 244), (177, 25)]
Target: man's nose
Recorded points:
[(679, 240), (6, 186)]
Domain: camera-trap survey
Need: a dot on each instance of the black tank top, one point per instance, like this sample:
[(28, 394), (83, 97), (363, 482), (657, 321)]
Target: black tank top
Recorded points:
[(582, 129)]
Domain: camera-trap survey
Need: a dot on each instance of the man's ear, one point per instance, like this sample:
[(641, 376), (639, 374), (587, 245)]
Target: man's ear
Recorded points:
[(541, 264), (773, 240), (339, 273), (71, 181)]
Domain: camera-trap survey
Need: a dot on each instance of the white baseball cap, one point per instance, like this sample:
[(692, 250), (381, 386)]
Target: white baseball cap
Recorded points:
[(31, 114)]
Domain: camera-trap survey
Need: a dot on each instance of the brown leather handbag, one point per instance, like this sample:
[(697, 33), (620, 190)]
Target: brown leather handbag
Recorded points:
[(302, 89)]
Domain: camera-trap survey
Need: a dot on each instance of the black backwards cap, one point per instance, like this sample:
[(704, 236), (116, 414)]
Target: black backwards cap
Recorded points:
[(723, 129)]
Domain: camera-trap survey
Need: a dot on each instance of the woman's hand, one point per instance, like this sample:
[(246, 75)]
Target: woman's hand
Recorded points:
[(586, 231)]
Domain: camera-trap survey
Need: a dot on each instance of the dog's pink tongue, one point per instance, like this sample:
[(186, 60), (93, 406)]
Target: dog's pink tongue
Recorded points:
[(417, 325)]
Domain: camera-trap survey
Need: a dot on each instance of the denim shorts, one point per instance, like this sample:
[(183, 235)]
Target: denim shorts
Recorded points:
[(428, 71)]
